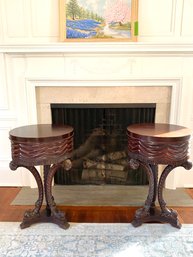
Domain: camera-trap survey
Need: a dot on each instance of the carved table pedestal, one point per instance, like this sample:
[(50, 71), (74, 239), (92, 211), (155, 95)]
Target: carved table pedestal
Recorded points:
[(150, 145), (48, 146)]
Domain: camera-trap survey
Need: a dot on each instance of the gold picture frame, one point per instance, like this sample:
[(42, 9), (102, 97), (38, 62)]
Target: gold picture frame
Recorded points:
[(100, 20)]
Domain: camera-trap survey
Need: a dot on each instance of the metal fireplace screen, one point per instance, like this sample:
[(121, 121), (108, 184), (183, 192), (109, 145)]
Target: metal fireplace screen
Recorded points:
[(100, 142)]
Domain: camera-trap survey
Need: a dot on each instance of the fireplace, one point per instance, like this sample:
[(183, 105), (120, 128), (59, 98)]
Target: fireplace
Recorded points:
[(112, 94), (100, 142)]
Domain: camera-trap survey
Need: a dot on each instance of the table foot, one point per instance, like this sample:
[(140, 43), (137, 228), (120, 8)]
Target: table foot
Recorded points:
[(61, 223), (136, 222), (156, 216), (170, 216), (59, 218), (31, 218)]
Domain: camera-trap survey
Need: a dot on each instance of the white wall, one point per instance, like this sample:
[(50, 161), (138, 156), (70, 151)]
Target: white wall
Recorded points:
[(30, 51), (37, 21)]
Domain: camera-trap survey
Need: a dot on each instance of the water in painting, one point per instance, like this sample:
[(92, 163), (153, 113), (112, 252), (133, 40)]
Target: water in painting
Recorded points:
[(103, 19)]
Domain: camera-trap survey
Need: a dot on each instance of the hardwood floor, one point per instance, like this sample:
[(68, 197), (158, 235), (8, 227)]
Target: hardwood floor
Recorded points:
[(97, 214)]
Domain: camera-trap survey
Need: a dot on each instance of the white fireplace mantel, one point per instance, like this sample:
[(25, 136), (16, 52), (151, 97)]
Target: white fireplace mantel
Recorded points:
[(32, 57), (74, 65), (113, 48)]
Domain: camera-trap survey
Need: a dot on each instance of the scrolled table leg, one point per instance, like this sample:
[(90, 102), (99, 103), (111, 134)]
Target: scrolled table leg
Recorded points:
[(46, 171), (143, 214), (58, 216), (154, 169), (169, 215), (31, 215)]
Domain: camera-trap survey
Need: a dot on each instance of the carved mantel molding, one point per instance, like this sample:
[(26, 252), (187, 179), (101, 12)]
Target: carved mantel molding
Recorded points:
[(112, 48)]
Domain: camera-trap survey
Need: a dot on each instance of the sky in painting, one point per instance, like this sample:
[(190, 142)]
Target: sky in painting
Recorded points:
[(98, 6)]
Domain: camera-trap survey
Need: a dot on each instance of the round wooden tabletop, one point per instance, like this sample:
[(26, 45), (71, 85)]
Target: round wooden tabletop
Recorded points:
[(41, 144), (159, 143), (40, 132), (159, 131)]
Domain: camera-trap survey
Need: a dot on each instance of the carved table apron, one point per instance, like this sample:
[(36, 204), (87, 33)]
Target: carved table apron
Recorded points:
[(46, 145), (148, 146)]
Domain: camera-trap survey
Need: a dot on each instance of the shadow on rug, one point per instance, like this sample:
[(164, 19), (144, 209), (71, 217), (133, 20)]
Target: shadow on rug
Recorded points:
[(94, 240)]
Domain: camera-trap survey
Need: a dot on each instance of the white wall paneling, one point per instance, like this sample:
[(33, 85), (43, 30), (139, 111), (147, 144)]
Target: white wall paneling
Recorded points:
[(9, 116), (15, 18), (3, 89), (165, 21), (15, 79), (37, 21), (187, 19), (25, 21), (1, 26), (45, 23), (158, 17), (5, 144), (7, 177)]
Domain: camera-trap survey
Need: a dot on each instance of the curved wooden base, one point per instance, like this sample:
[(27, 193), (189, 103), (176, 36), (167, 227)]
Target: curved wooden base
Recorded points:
[(51, 213), (156, 215), (32, 218), (151, 213)]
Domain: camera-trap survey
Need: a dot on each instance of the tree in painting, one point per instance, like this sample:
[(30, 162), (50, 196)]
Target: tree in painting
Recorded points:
[(73, 9), (118, 12)]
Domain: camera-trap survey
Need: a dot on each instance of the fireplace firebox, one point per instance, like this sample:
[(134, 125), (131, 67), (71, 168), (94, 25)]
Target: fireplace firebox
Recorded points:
[(100, 142)]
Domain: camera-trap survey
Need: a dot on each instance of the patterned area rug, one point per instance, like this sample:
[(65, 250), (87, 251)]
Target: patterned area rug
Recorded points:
[(94, 240)]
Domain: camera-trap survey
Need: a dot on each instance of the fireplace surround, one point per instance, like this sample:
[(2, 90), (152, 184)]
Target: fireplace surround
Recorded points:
[(109, 92), (162, 93)]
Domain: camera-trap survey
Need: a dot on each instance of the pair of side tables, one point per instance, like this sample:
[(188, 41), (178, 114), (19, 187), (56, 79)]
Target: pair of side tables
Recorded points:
[(149, 145)]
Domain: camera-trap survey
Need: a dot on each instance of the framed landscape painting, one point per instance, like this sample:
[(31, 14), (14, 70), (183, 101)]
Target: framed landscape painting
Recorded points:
[(98, 20)]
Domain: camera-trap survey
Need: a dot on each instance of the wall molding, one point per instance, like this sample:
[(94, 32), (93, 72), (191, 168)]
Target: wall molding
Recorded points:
[(112, 48)]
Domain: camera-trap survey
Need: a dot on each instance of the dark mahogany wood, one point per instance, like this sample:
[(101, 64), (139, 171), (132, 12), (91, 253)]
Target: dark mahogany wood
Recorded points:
[(148, 146), (46, 145)]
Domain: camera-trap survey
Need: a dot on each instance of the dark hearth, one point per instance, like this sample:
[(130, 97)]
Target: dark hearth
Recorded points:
[(100, 142)]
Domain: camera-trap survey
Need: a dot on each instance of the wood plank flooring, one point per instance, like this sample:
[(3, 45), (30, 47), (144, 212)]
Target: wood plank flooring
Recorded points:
[(96, 214)]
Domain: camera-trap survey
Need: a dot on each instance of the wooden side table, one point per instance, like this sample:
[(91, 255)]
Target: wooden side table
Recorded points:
[(45, 145), (150, 145)]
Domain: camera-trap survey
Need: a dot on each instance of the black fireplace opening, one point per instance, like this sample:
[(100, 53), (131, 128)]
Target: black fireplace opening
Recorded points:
[(100, 142)]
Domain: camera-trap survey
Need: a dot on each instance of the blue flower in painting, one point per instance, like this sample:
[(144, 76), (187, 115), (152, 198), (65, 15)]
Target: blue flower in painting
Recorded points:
[(71, 33), (77, 34), (81, 28)]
